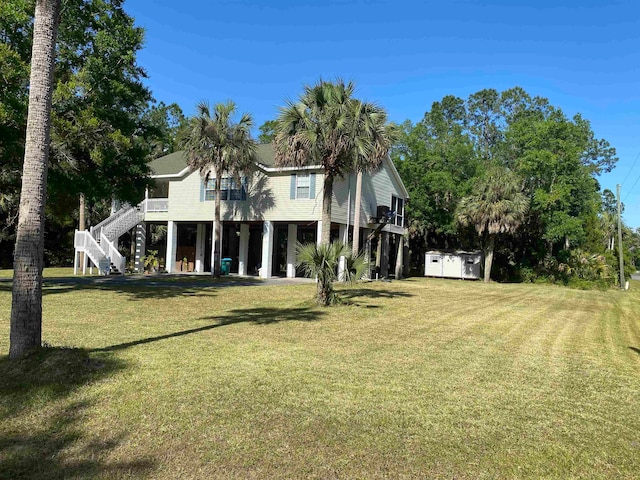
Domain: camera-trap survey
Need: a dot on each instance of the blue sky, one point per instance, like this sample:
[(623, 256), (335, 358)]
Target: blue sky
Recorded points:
[(582, 55)]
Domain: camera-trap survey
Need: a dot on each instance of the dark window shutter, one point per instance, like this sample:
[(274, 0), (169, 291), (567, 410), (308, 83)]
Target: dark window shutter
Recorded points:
[(243, 193), (312, 185), (293, 186)]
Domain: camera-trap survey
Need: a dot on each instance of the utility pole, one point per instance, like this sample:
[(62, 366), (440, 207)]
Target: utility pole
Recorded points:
[(622, 280)]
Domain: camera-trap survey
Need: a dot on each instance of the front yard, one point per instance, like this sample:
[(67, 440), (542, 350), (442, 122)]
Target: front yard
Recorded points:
[(416, 378)]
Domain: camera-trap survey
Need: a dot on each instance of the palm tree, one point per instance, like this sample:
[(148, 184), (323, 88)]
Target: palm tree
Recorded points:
[(372, 122), (328, 127), (321, 261), (498, 206), (26, 303), (216, 146)]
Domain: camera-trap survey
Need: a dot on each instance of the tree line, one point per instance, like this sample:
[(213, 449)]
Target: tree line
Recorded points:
[(511, 172), (105, 124)]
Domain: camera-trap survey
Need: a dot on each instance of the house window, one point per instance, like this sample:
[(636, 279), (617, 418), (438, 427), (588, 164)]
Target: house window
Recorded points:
[(210, 189), (229, 189), (303, 186), (397, 206)]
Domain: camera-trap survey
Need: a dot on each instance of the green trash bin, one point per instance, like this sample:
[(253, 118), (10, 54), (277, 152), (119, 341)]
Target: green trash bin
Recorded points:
[(225, 266)]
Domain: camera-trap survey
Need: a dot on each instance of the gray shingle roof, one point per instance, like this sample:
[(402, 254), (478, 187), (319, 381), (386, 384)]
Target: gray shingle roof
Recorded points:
[(175, 162), (171, 164)]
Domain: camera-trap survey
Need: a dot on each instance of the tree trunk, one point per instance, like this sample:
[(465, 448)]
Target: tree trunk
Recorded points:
[(324, 291), (217, 228), (488, 257), (26, 303), (327, 196), (356, 217)]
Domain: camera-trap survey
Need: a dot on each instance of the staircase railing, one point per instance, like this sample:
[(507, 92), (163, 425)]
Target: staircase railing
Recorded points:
[(84, 242), (113, 254), (96, 229), (123, 223)]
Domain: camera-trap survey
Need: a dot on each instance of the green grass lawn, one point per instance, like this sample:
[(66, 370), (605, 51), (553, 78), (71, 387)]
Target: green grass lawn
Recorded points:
[(413, 379)]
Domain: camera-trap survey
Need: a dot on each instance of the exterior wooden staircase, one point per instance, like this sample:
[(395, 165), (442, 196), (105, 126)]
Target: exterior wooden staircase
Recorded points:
[(101, 241)]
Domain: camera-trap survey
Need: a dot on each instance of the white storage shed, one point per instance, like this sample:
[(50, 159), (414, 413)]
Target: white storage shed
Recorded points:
[(458, 264)]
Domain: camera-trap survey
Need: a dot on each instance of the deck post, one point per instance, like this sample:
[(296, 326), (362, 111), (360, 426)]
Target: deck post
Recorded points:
[(267, 249), (292, 237), (243, 253), (343, 236), (201, 232), (141, 247), (172, 240)]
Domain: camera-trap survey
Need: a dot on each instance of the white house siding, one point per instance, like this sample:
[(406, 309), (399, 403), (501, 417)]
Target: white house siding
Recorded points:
[(184, 200), (377, 189), (340, 202), (298, 209), (268, 198), (156, 216)]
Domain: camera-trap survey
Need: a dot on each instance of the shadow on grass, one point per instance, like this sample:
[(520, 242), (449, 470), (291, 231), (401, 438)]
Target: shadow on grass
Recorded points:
[(352, 293), (140, 287), (637, 350), (42, 434), (258, 316)]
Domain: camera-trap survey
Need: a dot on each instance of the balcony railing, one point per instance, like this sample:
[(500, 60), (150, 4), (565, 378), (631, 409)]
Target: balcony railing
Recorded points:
[(156, 205)]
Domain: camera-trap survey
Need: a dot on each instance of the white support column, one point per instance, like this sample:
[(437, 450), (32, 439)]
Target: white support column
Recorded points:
[(292, 237), (267, 249), (213, 248), (200, 246), (342, 261), (384, 263), (319, 233), (400, 257), (172, 242), (141, 246), (243, 254), (75, 261)]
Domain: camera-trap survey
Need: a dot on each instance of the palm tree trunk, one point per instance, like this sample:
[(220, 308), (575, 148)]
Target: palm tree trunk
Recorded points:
[(26, 303), (217, 228), (327, 196), (356, 218), (488, 256)]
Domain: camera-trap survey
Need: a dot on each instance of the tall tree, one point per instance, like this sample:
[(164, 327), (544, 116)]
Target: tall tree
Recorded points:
[(496, 206), (26, 305), (103, 124), (329, 127), (558, 159), (268, 131), (218, 146), (438, 163), (371, 124)]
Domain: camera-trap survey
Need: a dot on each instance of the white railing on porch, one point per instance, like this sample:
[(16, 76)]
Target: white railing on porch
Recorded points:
[(156, 205)]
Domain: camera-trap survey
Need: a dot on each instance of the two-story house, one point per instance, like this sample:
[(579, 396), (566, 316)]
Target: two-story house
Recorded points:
[(263, 215)]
